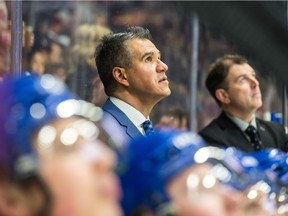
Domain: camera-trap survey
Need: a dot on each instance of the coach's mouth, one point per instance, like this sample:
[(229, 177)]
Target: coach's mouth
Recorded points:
[(163, 79)]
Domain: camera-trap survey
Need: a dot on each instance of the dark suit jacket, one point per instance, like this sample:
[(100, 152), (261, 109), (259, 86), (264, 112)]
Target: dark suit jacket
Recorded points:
[(126, 124), (223, 132)]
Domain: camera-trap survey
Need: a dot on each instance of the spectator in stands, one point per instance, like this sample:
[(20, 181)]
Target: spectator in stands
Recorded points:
[(5, 40), (38, 62), (57, 70), (55, 53), (83, 71), (232, 82), (97, 94), (64, 141), (134, 77), (173, 117)]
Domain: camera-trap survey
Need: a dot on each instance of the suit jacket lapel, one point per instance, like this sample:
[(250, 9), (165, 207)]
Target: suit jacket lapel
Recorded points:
[(265, 135), (123, 120), (235, 137)]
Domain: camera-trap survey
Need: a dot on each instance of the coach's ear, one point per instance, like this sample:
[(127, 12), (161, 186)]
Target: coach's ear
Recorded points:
[(222, 95), (120, 75)]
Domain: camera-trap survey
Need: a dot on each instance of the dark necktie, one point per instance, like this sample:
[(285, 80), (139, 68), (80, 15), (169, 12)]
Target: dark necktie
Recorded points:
[(148, 128), (254, 137)]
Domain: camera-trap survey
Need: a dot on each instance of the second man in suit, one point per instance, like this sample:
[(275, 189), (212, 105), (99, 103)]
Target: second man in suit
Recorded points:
[(233, 84)]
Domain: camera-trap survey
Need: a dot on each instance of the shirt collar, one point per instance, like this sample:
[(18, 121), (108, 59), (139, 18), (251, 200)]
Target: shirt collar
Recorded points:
[(242, 124), (133, 114)]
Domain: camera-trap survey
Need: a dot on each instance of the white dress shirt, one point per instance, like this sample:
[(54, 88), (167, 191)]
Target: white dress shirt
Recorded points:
[(136, 117), (242, 124)]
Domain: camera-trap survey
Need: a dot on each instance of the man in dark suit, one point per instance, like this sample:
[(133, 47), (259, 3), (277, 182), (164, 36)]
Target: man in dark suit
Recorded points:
[(134, 77), (233, 84)]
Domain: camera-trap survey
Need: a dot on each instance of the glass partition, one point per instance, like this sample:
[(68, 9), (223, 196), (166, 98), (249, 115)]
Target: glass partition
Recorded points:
[(59, 37)]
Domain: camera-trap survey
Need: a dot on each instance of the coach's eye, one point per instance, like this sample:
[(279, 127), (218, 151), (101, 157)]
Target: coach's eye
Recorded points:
[(149, 59)]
